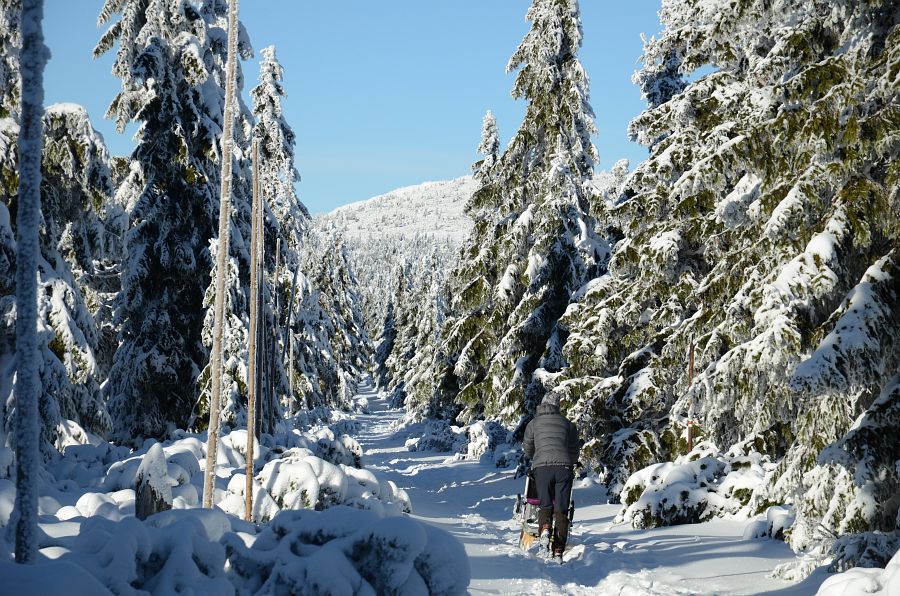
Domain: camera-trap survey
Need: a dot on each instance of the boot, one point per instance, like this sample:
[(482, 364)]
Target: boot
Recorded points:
[(544, 528), (560, 535), (545, 538)]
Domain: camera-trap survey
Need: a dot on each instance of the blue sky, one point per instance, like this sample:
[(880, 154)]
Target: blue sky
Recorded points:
[(384, 94)]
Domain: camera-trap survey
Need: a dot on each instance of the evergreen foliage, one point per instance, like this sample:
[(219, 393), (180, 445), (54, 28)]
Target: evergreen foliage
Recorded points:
[(533, 243), (169, 59), (73, 240), (10, 46), (763, 228)]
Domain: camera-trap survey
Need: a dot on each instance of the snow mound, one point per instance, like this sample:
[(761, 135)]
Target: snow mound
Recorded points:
[(484, 441), (878, 582), (437, 435), (347, 551), (778, 519), (338, 551), (694, 488)]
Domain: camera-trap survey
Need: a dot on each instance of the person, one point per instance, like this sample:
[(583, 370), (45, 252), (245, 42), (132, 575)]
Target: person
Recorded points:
[(551, 441)]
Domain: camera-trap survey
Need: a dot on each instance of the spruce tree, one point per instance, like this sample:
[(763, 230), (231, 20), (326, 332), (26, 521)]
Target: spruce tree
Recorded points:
[(170, 85), (489, 146), (10, 47), (73, 240), (289, 218), (533, 243)]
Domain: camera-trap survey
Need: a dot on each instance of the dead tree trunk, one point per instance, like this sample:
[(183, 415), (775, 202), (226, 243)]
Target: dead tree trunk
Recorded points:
[(252, 387), (221, 263), (152, 492)]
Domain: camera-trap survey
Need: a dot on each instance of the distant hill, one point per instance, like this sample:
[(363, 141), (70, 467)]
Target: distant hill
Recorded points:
[(432, 208), (416, 227)]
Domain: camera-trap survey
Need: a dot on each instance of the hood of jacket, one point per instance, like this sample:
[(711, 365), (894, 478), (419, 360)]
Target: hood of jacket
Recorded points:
[(546, 409)]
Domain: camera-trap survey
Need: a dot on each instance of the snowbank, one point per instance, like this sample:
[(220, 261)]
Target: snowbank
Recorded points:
[(485, 441), (347, 551), (339, 551), (327, 526), (436, 435), (878, 582), (694, 488)]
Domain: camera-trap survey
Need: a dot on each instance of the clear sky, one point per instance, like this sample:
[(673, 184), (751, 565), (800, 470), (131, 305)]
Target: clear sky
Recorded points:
[(386, 93)]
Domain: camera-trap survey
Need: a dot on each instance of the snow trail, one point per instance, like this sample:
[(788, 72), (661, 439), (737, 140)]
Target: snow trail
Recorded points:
[(473, 501)]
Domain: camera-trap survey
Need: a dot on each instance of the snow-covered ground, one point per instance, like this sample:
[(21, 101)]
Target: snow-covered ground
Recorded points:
[(473, 501), (90, 541)]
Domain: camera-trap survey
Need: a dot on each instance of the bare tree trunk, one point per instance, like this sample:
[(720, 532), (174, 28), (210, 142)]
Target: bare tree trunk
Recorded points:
[(34, 57), (291, 399), (690, 430), (254, 323), (259, 263), (221, 262)]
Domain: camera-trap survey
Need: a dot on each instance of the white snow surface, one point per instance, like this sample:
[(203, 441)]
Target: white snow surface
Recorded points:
[(473, 499), (876, 582), (433, 209), (95, 544)]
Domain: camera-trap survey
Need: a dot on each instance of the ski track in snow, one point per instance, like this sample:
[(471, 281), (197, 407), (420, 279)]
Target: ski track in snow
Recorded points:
[(473, 501)]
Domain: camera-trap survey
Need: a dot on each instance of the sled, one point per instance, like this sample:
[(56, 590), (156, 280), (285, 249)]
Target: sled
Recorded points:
[(525, 512)]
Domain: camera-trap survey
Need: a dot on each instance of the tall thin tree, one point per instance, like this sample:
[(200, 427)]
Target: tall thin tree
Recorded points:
[(34, 57), (253, 374), (221, 260)]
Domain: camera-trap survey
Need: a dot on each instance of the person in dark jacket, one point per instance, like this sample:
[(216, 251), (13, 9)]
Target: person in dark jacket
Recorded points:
[(551, 441)]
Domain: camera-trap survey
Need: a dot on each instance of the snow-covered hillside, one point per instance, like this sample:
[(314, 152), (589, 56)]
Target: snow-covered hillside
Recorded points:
[(410, 234), (432, 208)]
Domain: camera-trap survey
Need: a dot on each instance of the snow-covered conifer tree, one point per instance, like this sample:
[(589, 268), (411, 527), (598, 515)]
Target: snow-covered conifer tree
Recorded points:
[(763, 229), (10, 46), (489, 146), (75, 189), (333, 348), (170, 57), (289, 219), (533, 243), (385, 346)]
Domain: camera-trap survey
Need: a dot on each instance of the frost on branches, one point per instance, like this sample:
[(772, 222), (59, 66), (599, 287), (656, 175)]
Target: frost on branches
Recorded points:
[(74, 240), (762, 229), (10, 46), (533, 243), (170, 195)]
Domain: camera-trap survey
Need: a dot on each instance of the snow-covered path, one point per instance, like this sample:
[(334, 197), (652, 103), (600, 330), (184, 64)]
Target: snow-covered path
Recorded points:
[(473, 501)]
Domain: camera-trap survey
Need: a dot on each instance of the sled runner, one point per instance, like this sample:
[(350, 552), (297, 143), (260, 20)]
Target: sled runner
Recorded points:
[(526, 513)]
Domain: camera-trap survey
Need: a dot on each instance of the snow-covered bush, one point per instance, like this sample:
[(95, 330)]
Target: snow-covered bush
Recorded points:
[(877, 582), (852, 491), (338, 551), (491, 442), (172, 552), (338, 449), (312, 469), (347, 551), (437, 435), (779, 519), (486, 441), (694, 488)]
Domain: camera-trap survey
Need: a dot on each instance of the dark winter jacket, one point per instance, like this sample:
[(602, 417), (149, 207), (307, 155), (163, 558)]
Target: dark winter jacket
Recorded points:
[(550, 439)]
